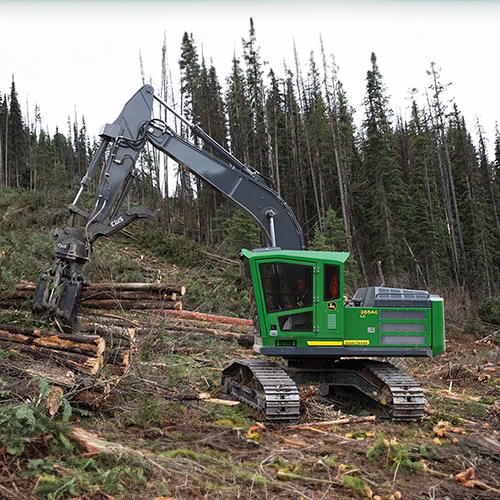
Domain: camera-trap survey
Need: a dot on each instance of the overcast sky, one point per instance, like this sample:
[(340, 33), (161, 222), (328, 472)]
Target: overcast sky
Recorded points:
[(84, 55)]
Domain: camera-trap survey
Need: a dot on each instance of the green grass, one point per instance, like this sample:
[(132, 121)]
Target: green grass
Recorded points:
[(394, 455)]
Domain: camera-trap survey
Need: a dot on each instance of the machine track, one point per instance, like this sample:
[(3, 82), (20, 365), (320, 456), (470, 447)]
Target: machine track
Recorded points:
[(407, 400), (273, 393), (265, 387), (387, 390)]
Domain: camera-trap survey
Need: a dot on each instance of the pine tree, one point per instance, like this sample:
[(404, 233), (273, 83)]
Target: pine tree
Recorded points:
[(384, 195), (331, 86), (16, 146), (295, 189), (213, 122), (3, 118), (317, 125), (280, 141), (190, 90), (332, 238), (50, 174), (190, 77), (239, 113), (496, 161), (309, 184), (471, 191), (256, 99), (438, 115), (82, 150), (427, 236)]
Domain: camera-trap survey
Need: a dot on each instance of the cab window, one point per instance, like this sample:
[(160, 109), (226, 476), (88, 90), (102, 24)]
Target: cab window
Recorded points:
[(286, 286), (332, 282)]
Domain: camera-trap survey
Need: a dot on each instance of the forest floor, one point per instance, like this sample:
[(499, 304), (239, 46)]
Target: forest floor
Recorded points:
[(165, 433)]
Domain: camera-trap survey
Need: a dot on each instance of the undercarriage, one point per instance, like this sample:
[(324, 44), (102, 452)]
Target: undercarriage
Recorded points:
[(273, 390)]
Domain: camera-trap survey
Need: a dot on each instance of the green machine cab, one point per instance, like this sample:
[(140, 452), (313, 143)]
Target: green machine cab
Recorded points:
[(378, 321)]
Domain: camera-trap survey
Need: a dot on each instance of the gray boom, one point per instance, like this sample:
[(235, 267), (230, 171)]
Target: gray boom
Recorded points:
[(122, 141)]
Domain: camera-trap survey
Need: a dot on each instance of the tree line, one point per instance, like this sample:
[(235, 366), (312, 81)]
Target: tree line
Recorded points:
[(416, 198)]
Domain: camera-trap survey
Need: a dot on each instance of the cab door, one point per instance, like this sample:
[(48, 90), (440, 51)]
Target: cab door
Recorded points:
[(331, 324), (289, 292)]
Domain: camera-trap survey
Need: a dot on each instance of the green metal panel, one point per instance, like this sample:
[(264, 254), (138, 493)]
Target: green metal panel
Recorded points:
[(438, 342)]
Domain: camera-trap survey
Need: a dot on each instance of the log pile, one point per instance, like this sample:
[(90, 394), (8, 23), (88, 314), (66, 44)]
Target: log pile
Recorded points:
[(123, 296), (121, 345), (120, 337), (88, 365), (83, 368), (83, 353)]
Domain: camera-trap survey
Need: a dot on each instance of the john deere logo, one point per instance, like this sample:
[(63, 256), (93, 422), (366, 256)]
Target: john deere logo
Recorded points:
[(332, 306)]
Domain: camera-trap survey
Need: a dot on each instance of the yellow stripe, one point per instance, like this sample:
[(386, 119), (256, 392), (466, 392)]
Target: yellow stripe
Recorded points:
[(324, 342)]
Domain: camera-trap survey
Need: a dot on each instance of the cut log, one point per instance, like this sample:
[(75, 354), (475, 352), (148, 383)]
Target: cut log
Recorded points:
[(86, 364), (151, 287), (108, 318), (20, 294), (119, 358), (127, 294), (14, 303), (221, 327), (131, 304), (53, 374), (115, 336), (342, 421), (18, 374), (213, 318), (243, 339), (89, 345)]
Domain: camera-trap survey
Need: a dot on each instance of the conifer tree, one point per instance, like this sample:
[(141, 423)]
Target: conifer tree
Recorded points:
[(349, 159), (438, 115), (213, 121), (64, 152), (190, 90), (471, 190), (318, 131), (331, 85), (309, 184), (256, 100), (496, 161), (489, 205), (82, 151), (280, 139), (384, 197), (331, 237), (427, 235), (3, 117), (16, 146), (239, 113), (297, 195), (190, 77)]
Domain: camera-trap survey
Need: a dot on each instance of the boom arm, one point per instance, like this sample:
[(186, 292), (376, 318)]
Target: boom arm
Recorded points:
[(245, 188), (122, 142)]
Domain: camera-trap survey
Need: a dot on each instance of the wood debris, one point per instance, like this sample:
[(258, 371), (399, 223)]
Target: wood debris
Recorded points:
[(443, 428), (468, 479), (341, 421), (205, 396)]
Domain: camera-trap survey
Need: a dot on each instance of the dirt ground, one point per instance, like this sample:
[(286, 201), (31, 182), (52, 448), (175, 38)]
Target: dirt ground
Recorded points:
[(201, 449)]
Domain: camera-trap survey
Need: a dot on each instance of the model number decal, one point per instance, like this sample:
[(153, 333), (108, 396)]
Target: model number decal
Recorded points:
[(356, 342), (366, 312), (115, 222)]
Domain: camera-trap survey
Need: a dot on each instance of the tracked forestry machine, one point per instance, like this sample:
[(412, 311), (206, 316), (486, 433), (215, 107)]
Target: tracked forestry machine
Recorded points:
[(297, 296)]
